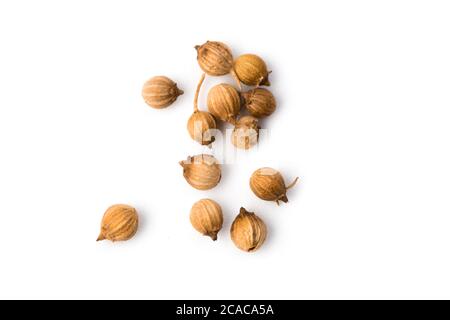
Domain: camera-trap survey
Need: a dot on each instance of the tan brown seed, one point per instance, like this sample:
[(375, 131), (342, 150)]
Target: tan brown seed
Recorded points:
[(248, 231), (251, 70), (245, 133), (214, 58), (268, 184), (259, 102), (200, 127), (119, 223), (160, 92), (202, 171), (201, 124), (206, 217), (224, 102)]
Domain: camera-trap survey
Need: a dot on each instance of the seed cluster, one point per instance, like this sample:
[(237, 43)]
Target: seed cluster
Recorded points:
[(224, 101), (203, 172)]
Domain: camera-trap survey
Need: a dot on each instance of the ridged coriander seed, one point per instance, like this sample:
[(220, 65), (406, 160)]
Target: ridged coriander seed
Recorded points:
[(201, 124), (245, 133), (119, 223), (214, 58), (160, 92), (251, 70), (224, 102), (259, 102), (268, 184), (248, 231), (201, 171), (207, 218)]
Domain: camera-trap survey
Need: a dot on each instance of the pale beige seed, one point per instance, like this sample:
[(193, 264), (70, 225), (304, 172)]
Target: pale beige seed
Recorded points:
[(268, 184), (207, 218), (245, 133), (248, 231), (259, 102), (119, 223), (214, 58), (251, 70), (160, 92), (201, 171), (224, 102)]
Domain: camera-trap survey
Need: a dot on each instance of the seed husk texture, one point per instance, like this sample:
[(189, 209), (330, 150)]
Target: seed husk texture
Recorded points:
[(251, 70), (160, 92), (245, 133), (248, 231), (200, 127), (214, 58), (207, 218), (202, 172), (259, 102), (119, 223), (201, 123), (224, 102), (268, 184)]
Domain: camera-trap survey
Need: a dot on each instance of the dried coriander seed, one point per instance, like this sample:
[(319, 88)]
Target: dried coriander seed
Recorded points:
[(251, 70), (201, 123), (207, 218), (224, 102), (214, 58), (160, 92), (268, 184), (248, 231), (259, 102), (245, 133), (119, 223), (202, 171)]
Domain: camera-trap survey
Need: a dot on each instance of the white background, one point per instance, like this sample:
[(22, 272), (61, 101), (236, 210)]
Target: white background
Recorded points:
[(363, 119)]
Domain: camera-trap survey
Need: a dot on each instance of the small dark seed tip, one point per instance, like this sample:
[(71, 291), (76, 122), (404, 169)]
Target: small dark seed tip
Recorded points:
[(265, 81), (213, 236), (284, 199), (243, 211)]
